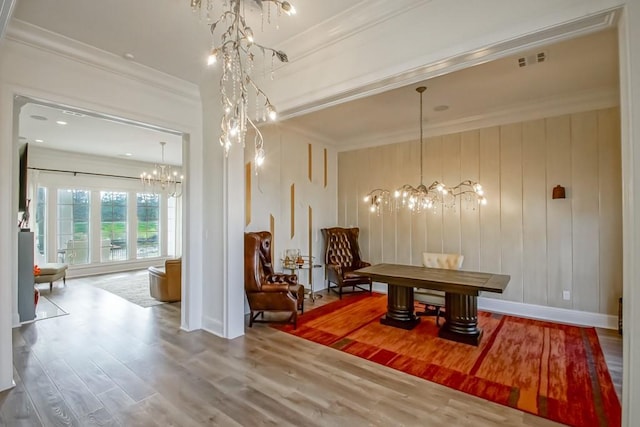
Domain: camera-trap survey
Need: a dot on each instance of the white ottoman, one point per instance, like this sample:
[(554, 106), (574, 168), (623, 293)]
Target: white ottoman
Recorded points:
[(52, 272)]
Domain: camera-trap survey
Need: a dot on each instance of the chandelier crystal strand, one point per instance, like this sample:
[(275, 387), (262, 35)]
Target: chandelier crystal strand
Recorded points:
[(235, 49), (424, 198), (162, 179)]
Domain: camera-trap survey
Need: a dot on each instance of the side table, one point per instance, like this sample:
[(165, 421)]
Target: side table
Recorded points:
[(306, 266)]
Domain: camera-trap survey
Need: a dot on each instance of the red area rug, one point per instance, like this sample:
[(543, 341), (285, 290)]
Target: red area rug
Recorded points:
[(548, 369)]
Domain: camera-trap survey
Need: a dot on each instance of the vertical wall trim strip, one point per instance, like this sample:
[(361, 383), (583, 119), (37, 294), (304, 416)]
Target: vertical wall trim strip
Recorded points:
[(311, 246), (272, 229), (310, 163), (247, 194), (293, 210), (325, 168)]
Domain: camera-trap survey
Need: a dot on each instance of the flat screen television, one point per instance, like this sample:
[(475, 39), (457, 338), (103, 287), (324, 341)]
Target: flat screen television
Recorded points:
[(22, 192)]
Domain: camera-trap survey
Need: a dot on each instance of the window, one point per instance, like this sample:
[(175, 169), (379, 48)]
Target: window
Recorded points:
[(73, 225), (148, 213), (41, 222), (113, 226)]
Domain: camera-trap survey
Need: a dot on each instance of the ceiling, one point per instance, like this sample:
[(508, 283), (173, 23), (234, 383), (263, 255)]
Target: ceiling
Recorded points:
[(162, 34), (87, 133), (572, 68), (165, 35)]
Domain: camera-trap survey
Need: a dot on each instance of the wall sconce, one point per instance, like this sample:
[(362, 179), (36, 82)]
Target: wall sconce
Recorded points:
[(558, 192)]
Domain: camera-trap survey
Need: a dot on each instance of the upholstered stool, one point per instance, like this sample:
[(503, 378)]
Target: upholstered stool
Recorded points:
[(52, 272)]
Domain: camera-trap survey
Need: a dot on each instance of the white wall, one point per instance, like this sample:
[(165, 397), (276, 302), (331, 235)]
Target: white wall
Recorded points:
[(68, 73), (288, 164)]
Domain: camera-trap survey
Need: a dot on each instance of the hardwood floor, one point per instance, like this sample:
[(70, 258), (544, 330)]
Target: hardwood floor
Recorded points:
[(113, 363)]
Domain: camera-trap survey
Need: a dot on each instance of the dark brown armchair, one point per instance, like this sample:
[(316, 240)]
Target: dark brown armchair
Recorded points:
[(342, 258), (266, 290)]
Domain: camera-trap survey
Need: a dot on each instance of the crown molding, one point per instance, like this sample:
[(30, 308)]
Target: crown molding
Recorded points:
[(526, 111), (306, 133), (31, 35), (352, 20), (372, 84)]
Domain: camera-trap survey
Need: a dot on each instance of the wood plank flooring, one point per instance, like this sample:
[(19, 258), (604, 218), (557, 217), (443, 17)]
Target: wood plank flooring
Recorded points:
[(113, 363)]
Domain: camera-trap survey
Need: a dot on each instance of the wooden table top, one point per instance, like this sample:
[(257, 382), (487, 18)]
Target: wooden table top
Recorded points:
[(455, 281)]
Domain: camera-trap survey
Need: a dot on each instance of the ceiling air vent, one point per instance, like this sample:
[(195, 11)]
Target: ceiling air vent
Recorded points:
[(532, 59), (73, 113)]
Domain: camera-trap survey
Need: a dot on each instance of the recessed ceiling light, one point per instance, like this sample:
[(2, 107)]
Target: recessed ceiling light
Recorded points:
[(35, 117), (129, 56), (22, 138), (61, 122), (39, 140), (128, 154), (441, 108)]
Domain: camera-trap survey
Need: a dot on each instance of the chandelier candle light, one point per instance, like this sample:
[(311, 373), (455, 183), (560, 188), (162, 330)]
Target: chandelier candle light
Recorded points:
[(422, 197), (235, 50), (162, 178)]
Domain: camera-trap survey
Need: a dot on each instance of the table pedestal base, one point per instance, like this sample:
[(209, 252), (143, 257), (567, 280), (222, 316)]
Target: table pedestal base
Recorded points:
[(461, 319), (400, 312)]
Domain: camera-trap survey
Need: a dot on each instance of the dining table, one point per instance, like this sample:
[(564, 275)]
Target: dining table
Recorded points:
[(461, 289)]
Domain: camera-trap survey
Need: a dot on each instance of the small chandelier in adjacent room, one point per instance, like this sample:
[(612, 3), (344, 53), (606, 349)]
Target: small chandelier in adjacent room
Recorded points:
[(236, 50), (163, 179), (422, 197)]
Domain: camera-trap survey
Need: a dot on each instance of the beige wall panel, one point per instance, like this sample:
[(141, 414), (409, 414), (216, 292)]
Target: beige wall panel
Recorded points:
[(559, 234), (610, 210), (451, 234), (345, 161), (376, 163), (418, 221), (406, 174), (490, 213), (584, 211), (354, 200), (534, 212), (521, 231), (511, 208), (363, 186), (433, 172), (391, 170), (469, 212)]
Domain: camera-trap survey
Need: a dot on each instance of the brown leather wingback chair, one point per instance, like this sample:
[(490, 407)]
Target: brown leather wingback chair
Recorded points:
[(266, 290), (165, 284), (342, 258)]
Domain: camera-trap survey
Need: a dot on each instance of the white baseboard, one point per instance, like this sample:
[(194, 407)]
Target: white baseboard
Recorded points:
[(212, 326), (555, 314), (539, 312), (15, 320), (7, 386)]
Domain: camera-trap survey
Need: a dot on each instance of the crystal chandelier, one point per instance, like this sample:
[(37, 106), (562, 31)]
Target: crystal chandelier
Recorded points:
[(237, 50), (162, 178), (422, 197)]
